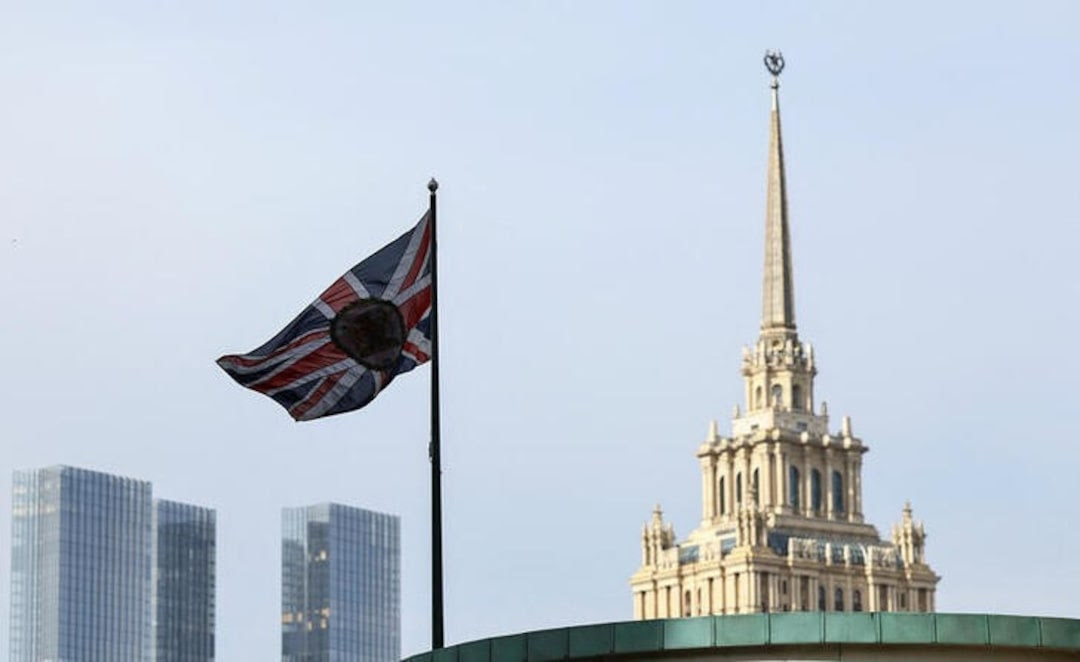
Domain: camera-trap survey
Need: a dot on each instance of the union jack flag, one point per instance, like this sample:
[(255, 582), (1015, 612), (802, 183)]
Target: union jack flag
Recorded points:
[(368, 327)]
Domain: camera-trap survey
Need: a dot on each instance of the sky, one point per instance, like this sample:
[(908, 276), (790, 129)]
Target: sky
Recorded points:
[(179, 179)]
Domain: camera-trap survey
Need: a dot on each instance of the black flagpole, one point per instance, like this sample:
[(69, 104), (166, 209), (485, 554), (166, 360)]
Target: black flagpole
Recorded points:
[(436, 460)]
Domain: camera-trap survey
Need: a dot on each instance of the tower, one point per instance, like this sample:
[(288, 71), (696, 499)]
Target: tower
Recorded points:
[(184, 555), (102, 572), (782, 527), (341, 585)]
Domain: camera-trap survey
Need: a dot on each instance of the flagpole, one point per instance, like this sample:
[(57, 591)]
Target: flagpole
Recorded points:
[(434, 450)]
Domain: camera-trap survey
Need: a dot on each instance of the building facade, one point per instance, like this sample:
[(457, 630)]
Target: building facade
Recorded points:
[(184, 581), (782, 527), (84, 578), (340, 585)]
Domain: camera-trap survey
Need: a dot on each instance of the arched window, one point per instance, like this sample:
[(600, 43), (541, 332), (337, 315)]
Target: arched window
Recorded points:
[(838, 599), (837, 492), (723, 497), (815, 490), (903, 600), (686, 604), (796, 397), (856, 600), (757, 398), (794, 487), (738, 489), (777, 396), (757, 488), (821, 598)]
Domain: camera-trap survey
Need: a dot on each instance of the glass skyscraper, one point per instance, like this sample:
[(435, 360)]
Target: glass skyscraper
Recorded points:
[(83, 577), (183, 588), (340, 585)]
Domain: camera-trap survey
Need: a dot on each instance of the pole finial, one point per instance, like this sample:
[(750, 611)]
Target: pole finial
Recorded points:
[(433, 185), (774, 62)]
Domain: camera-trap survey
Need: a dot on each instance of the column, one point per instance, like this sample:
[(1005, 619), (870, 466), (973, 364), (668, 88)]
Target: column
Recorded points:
[(781, 480), (708, 488), (806, 505), (858, 486), (729, 456), (827, 488), (747, 477), (849, 484)]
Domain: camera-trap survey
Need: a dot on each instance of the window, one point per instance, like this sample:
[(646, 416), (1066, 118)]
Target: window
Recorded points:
[(796, 397), (804, 593), (757, 398), (763, 590), (794, 488), (686, 604), (783, 587), (837, 492), (838, 599), (757, 487), (723, 497), (815, 490), (738, 489), (922, 599), (903, 600), (777, 396), (821, 598), (856, 600)]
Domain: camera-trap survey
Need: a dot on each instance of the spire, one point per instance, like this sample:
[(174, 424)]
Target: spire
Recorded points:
[(778, 295)]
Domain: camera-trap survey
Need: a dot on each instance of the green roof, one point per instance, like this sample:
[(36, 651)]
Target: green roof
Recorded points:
[(800, 628)]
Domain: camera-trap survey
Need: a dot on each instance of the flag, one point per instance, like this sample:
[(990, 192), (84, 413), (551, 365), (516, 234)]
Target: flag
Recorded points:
[(371, 325)]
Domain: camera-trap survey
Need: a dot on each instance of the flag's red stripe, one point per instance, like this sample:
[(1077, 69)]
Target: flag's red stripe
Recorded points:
[(339, 295), (413, 309), (302, 407), (417, 353), (418, 261), (326, 355), (249, 362)]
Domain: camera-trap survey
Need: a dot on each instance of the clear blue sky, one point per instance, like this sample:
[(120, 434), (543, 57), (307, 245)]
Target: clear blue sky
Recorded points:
[(178, 179)]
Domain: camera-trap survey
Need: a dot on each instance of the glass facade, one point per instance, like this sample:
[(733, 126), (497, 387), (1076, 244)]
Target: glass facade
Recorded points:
[(341, 585), (82, 568), (183, 588)]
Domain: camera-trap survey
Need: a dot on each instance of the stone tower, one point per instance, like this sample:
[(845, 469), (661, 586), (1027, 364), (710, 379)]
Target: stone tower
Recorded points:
[(782, 527)]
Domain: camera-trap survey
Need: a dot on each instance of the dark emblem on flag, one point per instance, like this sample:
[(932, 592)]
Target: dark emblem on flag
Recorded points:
[(372, 331)]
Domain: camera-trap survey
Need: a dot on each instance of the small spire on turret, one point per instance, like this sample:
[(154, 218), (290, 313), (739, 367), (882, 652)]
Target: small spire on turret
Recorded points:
[(714, 434)]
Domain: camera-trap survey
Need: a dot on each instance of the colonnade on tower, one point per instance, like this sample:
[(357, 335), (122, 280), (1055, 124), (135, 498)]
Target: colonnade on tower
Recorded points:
[(782, 525)]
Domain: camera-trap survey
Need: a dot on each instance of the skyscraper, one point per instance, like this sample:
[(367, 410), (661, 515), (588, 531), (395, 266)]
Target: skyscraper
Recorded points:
[(83, 576), (183, 587), (340, 585), (782, 526)]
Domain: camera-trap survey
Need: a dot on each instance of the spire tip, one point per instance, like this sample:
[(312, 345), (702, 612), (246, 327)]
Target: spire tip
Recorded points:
[(433, 185), (774, 62)]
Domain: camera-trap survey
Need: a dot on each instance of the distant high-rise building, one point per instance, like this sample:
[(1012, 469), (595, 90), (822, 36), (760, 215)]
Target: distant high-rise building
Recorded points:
[(340, 585), (183, 598), (85, 584)]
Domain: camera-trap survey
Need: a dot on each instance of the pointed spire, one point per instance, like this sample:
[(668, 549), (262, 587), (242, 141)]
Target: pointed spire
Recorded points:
[(778, 294)]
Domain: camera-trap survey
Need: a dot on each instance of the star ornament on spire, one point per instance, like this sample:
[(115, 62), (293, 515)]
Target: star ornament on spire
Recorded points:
[(774, 62)]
